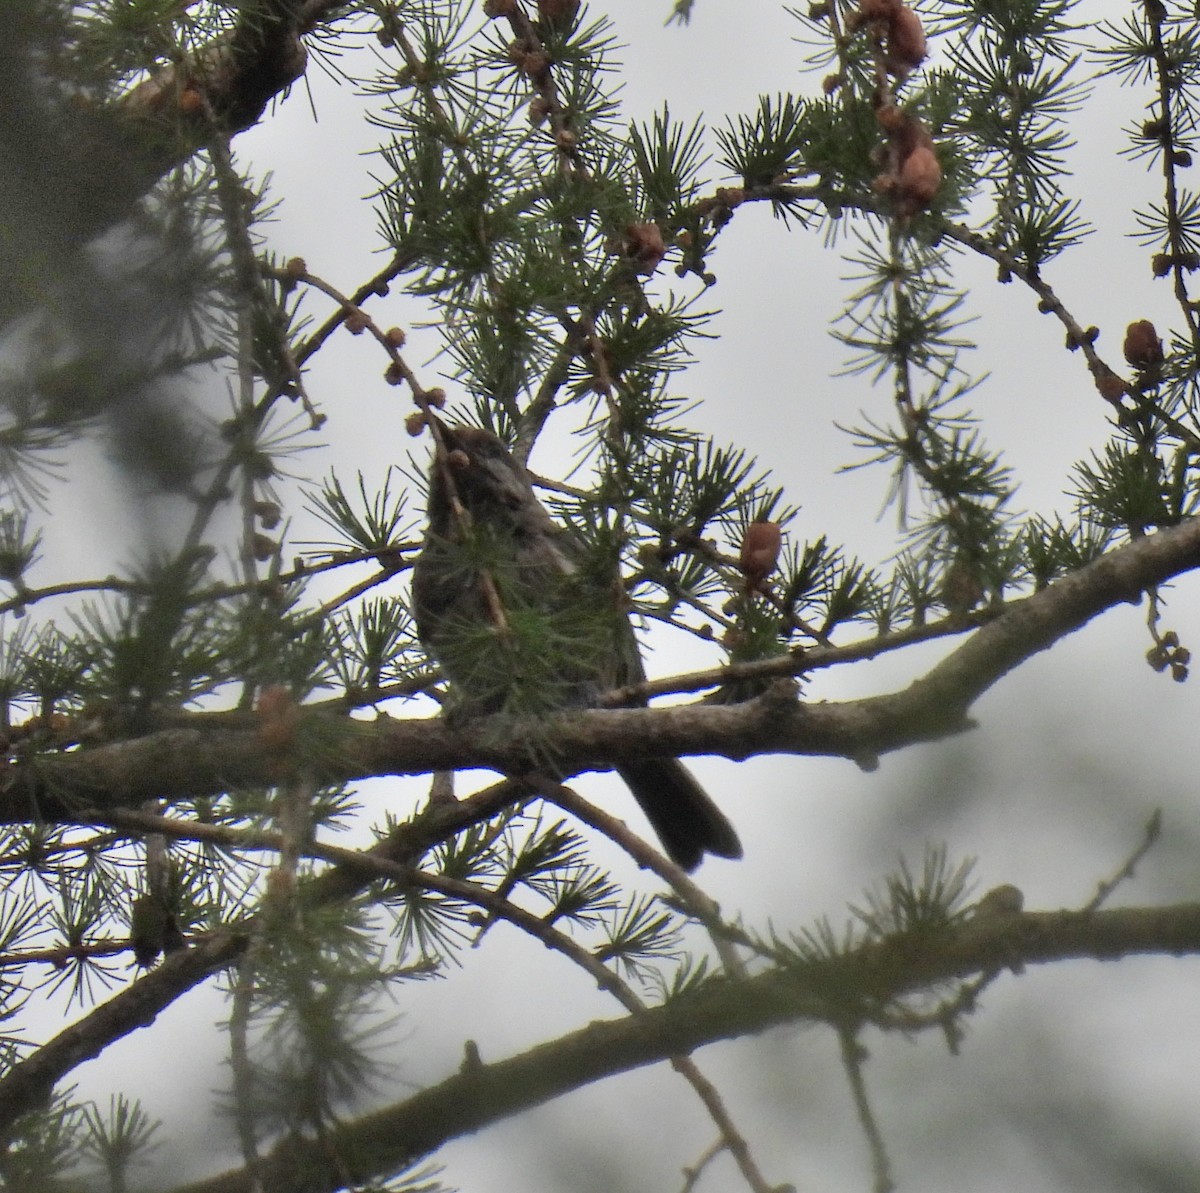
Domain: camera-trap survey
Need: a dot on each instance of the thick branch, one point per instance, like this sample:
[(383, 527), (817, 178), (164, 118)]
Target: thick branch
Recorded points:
[(238, 75), (134, 142), (29, 1082), (210, 753), (385, 1142)]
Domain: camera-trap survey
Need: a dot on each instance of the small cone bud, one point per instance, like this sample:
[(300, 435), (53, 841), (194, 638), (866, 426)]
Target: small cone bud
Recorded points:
[(1143, 348), (1111, 386), (962, 589), (147, 929), (1000, 901), (268, 514), (644, 246), (278, 715), (877, 10), (190, 101), (760, 550), (906, 46), (535, 64), (918, 181), (556, 12)]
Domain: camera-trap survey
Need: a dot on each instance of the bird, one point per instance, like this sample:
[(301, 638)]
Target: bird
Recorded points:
[(520, 616)]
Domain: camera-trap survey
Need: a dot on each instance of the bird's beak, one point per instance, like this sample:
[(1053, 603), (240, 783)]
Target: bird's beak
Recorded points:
[(442, 428)]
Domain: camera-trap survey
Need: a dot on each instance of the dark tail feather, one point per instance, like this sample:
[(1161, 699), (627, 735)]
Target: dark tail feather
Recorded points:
[(687, 822)]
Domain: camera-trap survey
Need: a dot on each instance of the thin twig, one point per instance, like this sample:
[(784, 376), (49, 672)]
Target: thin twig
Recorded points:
[(693, 900), (731, 1138), (1150, 837), (853, 1056)]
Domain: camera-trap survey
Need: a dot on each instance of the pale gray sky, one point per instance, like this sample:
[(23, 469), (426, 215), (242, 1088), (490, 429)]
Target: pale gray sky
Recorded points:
[(1050, 793)]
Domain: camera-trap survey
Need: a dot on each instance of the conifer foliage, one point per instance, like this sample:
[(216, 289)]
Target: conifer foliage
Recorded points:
[(193, 714)]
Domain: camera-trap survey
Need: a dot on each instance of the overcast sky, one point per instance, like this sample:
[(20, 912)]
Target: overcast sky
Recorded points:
[(1050, 792)]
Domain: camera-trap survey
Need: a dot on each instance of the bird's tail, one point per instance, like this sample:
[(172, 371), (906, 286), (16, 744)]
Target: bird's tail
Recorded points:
[(687, 822)]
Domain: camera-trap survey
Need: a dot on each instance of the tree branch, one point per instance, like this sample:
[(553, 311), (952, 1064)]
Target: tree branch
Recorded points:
[(149, 131), (388, 1140), (209, 753), (29, 1082)]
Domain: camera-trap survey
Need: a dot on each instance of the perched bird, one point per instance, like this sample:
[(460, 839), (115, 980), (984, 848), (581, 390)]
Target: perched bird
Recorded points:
[(521, 618)]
